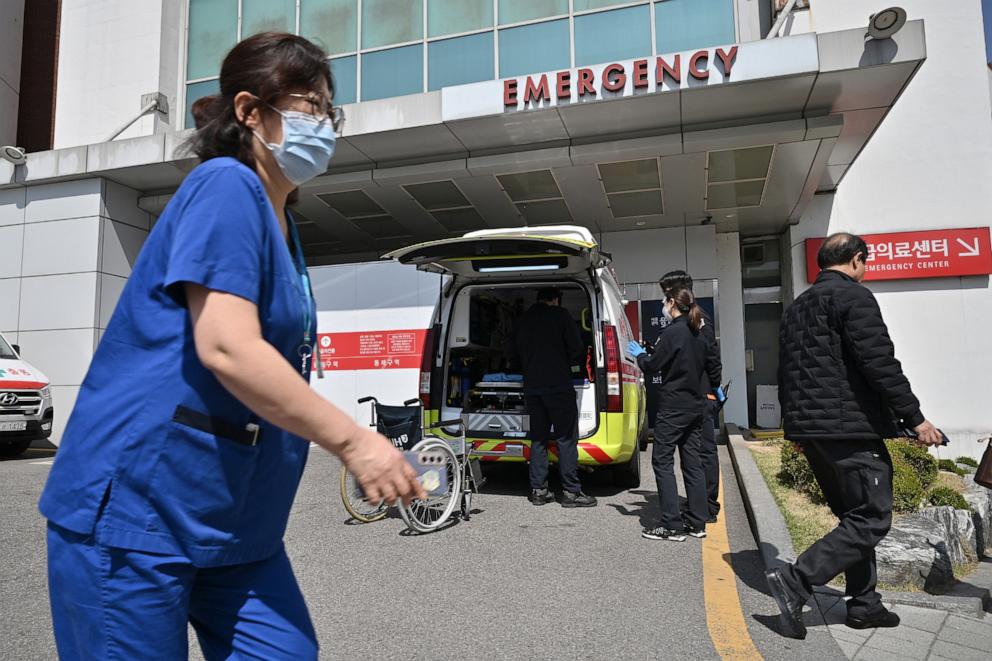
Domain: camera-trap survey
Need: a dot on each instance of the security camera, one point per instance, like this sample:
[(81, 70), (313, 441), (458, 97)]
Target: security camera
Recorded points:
[(886, 23), (13, 155)]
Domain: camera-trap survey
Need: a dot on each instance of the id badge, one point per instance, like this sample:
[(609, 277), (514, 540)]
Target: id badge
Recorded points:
[(432, 470)]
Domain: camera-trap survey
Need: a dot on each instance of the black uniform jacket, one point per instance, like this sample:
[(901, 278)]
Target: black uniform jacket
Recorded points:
[(838, 374), (548, 346), (688, 363)]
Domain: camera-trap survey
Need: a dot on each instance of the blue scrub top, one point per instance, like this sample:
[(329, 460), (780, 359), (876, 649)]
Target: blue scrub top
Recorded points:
[(125, 471)]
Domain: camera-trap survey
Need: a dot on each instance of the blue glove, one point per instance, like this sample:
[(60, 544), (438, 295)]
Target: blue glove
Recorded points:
[(634, 349), (720, 395)]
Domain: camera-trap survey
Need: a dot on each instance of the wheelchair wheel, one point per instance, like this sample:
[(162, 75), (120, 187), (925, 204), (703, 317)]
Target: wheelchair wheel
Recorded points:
[(429, 515), (467, 504), (358, 507)]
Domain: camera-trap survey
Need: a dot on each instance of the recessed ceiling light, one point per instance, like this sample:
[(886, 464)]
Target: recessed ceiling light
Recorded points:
[(641, 223), (731, 215)]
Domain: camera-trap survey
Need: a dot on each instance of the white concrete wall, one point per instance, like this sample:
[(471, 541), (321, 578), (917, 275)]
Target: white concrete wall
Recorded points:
[(66, 250), (11, 33), (109, 55), (928, 166), (731, 321)]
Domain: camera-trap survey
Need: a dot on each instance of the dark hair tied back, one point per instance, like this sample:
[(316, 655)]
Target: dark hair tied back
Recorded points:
[(685, 301), (267, 65)]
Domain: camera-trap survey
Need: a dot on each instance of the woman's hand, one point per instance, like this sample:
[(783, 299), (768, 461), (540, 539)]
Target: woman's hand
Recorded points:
[(381, 469)]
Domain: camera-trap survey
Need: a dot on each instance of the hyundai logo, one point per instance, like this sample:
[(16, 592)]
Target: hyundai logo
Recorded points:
[(8, 399)]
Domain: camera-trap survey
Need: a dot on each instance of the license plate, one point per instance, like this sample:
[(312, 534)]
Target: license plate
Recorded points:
[(13, 426)]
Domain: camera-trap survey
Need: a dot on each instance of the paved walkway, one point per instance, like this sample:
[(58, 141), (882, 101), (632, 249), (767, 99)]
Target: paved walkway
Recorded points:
[(923, 634)]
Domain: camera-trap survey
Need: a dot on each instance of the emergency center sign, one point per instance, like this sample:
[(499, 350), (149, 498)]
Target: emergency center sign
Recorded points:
[(927, 254), (371, 350)]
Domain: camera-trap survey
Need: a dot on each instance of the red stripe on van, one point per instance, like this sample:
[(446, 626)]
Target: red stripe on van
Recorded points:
[(596, 452), (21, 385)]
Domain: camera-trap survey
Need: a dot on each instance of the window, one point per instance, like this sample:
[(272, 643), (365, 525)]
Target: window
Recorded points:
[(345, 73), (198, 91), (687, 24), (608, 36), (393, 72), (460, 60), (456, 16), (331, 23), (386, 22), (585, 5), (516, 11), (213, 30), (534, 48), (267, 16)]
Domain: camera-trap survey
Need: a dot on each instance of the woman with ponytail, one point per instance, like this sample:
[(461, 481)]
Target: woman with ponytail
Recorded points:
[(171, 491), (688, 370)]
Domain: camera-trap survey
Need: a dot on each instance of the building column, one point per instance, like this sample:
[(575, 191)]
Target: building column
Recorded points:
[(66, 250), (731, 314)]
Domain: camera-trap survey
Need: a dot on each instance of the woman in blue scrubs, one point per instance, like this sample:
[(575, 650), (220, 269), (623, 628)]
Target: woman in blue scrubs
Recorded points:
[(169, 497)]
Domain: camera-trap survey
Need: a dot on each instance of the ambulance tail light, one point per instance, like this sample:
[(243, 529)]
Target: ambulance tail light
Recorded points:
[(427, 365), (614, 378)]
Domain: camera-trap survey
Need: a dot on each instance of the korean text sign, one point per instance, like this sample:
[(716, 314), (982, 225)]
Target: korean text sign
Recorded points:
[(926, 254), (371, 350)]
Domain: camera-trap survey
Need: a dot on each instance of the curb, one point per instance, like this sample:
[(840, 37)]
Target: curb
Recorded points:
[(775, 543)]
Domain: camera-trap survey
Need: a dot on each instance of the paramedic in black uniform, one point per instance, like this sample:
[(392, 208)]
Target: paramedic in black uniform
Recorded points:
[(688, 369), (707, 447), (550, 351)]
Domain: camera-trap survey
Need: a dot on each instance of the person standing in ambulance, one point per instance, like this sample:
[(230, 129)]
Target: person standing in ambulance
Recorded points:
[(171, 490)]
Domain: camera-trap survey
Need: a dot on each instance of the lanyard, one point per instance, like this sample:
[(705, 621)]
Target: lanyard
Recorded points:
[(306, 349)]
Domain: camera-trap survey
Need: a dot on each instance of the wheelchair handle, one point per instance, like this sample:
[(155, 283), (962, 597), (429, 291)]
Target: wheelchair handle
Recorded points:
[(411, 402)]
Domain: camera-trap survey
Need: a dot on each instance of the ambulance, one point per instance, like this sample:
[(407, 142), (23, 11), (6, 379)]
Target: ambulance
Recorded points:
[(468, 371), (26, 409)]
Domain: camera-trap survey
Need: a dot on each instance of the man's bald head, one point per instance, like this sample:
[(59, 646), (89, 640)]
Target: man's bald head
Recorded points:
[(840, 249)]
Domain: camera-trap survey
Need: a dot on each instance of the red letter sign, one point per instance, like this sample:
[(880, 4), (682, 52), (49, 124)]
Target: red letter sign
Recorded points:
[(694, 70), (927, 254), (664, 67), (537, 92), (614, 83), (564, 86), (727, 59), (640, 74), (585, 82), (510, 92)]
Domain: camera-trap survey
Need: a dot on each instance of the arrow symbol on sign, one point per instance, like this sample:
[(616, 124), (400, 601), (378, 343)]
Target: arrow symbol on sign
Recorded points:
[(973, 250)]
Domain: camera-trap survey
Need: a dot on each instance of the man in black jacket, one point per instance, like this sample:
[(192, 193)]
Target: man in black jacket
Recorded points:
[(842, 391), (550, 350), (708, 455)]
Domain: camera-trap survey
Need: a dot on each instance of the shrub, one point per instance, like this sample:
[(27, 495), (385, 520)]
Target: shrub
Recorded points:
[(947, 496), (920, 461), (907, 491), (796, 472), (966, 461), (950, 467)]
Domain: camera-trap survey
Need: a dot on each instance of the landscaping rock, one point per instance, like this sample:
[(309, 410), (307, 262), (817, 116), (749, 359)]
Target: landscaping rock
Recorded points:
[(980, 500), (915, 552), (959, 532)]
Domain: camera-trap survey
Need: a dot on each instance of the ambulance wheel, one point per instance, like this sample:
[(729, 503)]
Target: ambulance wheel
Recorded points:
[(15, 449), (429, 515), (628, 475), (358, 507)]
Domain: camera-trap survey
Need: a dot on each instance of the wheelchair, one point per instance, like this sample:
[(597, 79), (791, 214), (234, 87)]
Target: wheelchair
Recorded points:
[(403, 426)]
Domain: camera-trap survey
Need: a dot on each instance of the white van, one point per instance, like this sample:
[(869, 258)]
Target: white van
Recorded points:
[(493, 277), (25, 402)]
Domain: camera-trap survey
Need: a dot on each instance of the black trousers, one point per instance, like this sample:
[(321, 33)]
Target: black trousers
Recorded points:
[(710, 458), (682, 430), (554, 417), (856, 479)]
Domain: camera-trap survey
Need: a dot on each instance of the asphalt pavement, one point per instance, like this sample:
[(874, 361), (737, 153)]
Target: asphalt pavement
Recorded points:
[(515, 582)]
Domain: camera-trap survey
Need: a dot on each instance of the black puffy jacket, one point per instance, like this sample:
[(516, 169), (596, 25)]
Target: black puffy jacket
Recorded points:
[(838, 374)]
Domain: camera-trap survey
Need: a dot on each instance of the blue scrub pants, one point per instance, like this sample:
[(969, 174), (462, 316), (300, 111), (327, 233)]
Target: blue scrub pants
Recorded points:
[(110, 603)]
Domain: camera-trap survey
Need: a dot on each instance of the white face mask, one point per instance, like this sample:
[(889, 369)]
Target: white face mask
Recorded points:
[(307, 146)]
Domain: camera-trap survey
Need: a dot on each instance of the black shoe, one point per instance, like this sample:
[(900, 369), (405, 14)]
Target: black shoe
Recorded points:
[(541, 497), (662, 533), (692, 530), (791, 615), (882, 619), (569, 499), (712, 519)]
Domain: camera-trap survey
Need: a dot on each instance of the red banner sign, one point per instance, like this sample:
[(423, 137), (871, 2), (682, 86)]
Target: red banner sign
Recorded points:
[(371, 350), (927, 254)]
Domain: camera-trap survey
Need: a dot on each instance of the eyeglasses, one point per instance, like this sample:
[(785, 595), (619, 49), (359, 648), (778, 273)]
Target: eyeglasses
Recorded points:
[(322, 110)]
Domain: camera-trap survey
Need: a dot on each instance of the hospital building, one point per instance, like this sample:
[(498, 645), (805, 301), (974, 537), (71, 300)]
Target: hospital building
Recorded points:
[(723, 137)]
